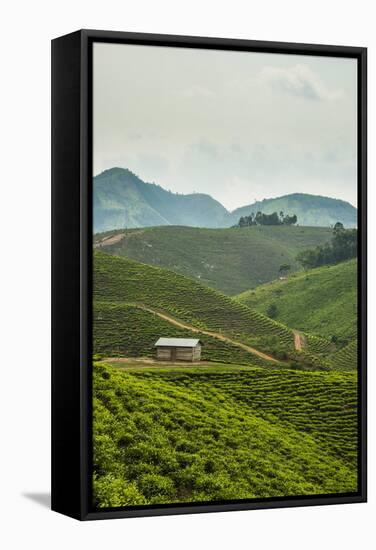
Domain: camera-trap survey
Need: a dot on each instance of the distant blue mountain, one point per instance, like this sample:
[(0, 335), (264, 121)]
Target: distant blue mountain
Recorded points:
[(121, 199)]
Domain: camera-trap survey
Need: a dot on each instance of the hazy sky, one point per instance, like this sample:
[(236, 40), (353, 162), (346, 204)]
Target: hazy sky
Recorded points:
[(239, 126)]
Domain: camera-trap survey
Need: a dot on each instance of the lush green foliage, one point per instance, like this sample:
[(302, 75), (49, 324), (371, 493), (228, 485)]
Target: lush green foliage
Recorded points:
[(267, 219), (228, 260), (311, 210), (120, 280), (343, 246), (321, 301), (220, 433), (236, 426), (347, 357)]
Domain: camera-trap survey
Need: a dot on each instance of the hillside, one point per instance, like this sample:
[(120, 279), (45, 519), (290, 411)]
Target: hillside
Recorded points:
[(124, 281), (311, 210), (230, 260), (347, 357), (321, 301), (221, 433), (123, 330), (122, 200)]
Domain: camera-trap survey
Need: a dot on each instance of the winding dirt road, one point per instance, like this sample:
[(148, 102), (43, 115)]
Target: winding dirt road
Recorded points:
[(216, 335)]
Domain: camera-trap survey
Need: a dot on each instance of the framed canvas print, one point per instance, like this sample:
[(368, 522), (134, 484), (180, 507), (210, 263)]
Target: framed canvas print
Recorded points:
[(209, 274)]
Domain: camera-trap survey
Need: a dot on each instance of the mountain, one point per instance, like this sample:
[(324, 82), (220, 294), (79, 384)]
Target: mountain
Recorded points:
[(311, 210), (321, 301), (230, 260), (121, 199)]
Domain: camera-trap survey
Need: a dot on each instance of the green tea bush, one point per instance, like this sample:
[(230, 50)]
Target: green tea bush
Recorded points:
[(223, 432)]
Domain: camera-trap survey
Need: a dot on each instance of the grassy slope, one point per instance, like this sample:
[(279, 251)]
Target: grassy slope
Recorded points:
[(347, 357), (321, 301), (127, 331), (229, 260), (124, 281), (214, 433)]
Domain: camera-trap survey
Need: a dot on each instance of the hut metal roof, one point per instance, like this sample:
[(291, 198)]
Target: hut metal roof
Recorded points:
[(177, 342)]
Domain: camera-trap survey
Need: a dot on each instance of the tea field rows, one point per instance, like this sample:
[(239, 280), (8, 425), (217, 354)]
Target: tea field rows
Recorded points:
[(120, 280), (165, 435), (320, 301)]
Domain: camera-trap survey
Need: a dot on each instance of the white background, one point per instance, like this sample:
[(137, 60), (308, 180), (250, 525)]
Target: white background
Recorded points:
[(27, 28)]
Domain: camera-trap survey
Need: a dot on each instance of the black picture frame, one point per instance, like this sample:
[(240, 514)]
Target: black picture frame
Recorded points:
[(72, 262)]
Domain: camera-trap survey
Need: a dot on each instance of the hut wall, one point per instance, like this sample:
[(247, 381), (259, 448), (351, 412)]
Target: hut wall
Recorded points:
[(197, 353), (184, 354), (164, 354), (179, 353)]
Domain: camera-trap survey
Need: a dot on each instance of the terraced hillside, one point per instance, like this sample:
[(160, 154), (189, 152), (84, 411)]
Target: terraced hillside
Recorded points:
[(123, 281), (321, 301), (123, 330), (230, 260), (346, 358), (165, 435)]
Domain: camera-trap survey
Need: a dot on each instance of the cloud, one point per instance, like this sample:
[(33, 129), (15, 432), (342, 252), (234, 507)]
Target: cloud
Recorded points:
[(298, 80), (198, 92)]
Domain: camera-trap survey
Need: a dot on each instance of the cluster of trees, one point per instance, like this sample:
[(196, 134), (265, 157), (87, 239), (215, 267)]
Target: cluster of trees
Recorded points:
[(343, 246), (267, 219)]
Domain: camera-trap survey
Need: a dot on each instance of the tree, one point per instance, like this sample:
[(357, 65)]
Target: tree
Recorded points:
[(343, 246), (290, 220), (260, 218), (338, 226)]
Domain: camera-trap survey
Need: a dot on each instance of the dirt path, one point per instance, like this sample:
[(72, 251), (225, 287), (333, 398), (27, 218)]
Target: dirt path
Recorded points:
[(298, 340), (108, 241), (217, 335)]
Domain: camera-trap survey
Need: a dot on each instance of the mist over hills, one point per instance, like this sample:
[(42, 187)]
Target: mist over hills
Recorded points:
[(122, 200), (312, 210)]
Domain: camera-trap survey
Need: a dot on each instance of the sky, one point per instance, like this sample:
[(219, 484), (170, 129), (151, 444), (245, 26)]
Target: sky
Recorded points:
[(239, 126)]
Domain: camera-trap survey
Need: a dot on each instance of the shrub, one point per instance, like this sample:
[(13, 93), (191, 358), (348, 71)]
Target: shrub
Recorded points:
[(111, 492), (152, 485)]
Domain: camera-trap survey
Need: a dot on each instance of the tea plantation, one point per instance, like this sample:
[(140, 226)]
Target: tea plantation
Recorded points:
[(347, 357), (237, 426), (319, 301), (124, 281), (170, 434), (122, 330), (230, 260)]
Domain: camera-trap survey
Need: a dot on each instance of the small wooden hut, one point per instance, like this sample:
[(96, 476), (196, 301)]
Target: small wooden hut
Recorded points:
[(178, 349)]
